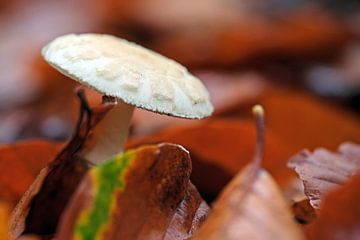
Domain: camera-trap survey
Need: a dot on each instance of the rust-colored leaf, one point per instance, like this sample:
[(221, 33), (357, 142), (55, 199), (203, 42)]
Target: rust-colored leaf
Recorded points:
[(323, 170), (303, 212), (231, 43), (220, 148), (41, 206), (143, 193), (339, 216), (4, 221), (19, 165), (251, 206), (259, 213), (189, 216), (305, 121)]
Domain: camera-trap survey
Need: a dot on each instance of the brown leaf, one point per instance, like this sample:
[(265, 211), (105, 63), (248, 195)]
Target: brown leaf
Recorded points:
[(339, 216), (19, 165), (189, 216), (259, 213), (293, 37), (303, 212), (220, 148), (143, 193), (40, 208), (305, 121), (251, 206), (323, 170), (4, 221)]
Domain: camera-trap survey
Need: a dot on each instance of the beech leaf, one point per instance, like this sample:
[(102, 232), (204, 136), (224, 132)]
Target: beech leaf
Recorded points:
[(188, 217), (323, 170), (303, 212), (251, 206), (262, 214), (40, 208), (324, 125), (220, 148), (339, 216), (143, 193), (4, 220), (20, 163)]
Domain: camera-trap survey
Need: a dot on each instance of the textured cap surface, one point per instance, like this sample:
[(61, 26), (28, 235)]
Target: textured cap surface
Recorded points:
[(134, 74)]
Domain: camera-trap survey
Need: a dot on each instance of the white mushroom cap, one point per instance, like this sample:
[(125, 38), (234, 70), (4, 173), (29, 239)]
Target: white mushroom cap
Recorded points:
[(127, 71)]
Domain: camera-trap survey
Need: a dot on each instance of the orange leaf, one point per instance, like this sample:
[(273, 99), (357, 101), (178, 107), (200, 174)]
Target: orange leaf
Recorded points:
[(304, 121), (4, 217), (339, 217), (220, 148), (19, 165)]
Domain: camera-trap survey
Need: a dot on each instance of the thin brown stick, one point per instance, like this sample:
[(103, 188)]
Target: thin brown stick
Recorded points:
[(255, 166)]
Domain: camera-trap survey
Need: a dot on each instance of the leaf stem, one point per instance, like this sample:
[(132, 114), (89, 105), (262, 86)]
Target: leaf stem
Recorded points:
[(259, 114)]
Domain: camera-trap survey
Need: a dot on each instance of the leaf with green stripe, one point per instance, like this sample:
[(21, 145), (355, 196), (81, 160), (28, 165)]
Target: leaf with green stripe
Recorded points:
[(143, 193)]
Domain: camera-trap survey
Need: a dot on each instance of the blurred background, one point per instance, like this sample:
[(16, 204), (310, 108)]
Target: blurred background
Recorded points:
[(299, 58)]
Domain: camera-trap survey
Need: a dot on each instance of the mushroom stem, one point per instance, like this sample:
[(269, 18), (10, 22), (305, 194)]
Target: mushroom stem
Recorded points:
[(110, 134)]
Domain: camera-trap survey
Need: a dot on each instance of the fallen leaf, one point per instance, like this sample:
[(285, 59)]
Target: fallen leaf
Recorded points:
[(220, 148), (19, 165), (143, 193), (339, 216), (293, 36), (323, 170), (189, 216), (288, 132), (251, 206), (303, 212), (4, 221), (306, 121), (259, 213), (40, 208), (216, 33)]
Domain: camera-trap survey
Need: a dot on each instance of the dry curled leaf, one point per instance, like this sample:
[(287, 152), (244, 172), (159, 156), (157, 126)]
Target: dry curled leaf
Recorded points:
[(323, 170), (143, 193), (339, 217), (42, 204), (261, 214), (188, 217)]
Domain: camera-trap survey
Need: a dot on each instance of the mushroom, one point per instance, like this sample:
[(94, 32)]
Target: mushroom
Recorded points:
[(131, 74)]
